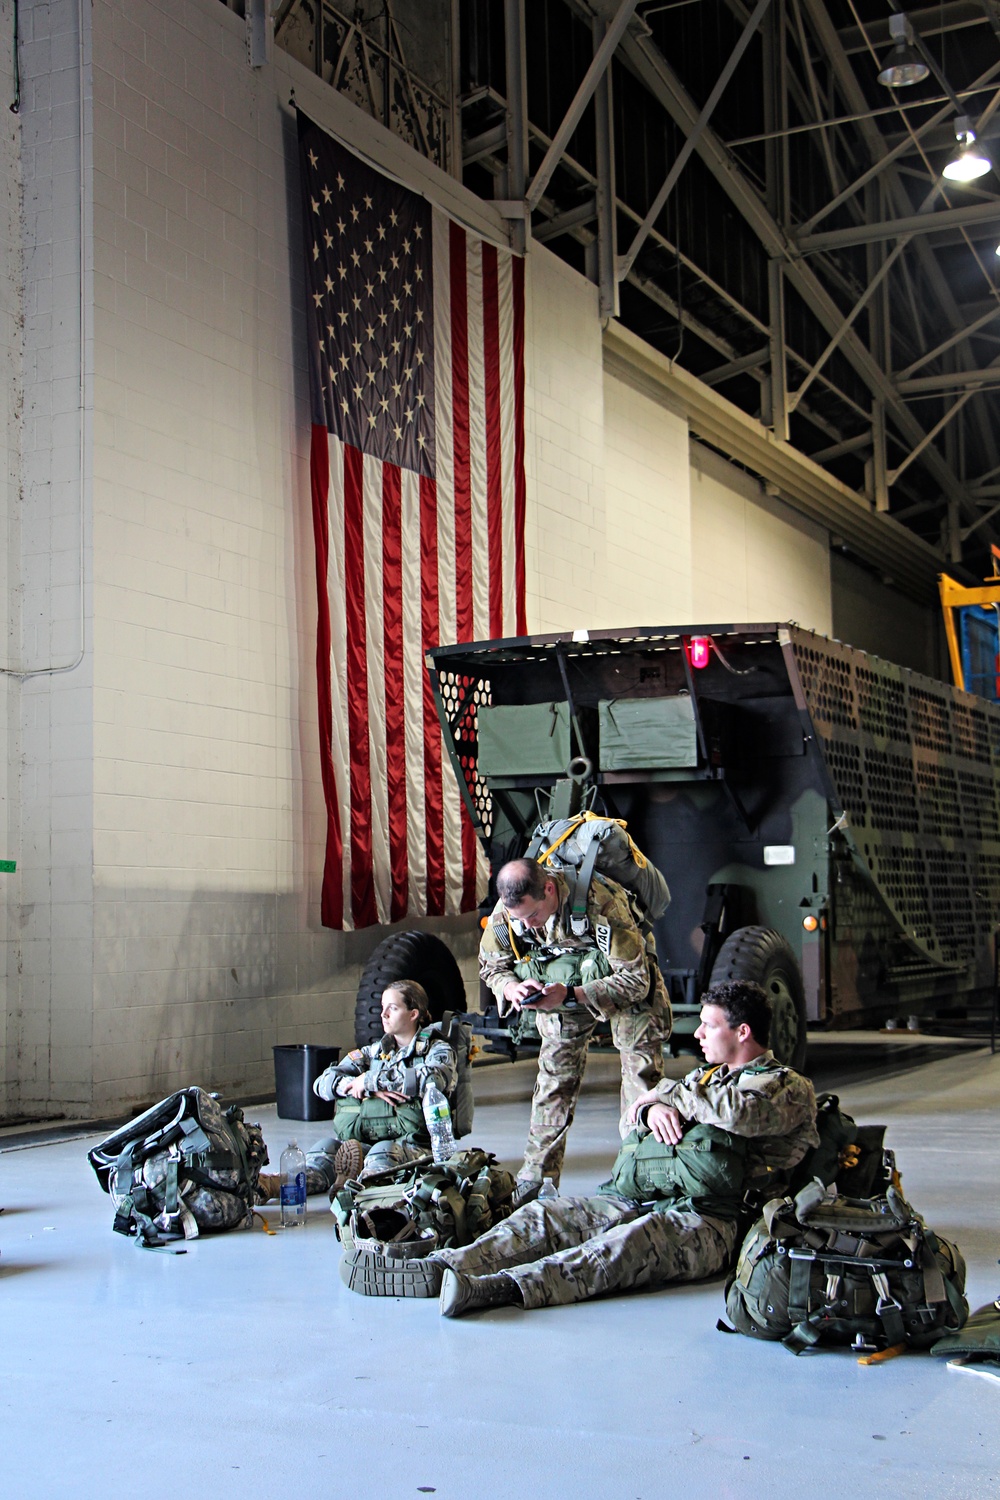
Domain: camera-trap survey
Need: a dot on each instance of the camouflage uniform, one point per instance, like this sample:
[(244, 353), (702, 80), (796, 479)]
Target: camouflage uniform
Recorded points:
[(620, 982), (562, 1250), (396, 1131)]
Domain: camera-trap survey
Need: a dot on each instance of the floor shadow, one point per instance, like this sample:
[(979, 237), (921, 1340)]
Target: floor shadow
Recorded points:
[(833, 1067), (13, 1268)]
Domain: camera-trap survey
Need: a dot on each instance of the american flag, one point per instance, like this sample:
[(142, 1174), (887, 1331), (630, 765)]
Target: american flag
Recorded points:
[(416, 344)]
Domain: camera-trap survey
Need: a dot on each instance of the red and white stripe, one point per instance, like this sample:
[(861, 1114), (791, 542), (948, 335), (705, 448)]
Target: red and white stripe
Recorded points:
[(405, 563)]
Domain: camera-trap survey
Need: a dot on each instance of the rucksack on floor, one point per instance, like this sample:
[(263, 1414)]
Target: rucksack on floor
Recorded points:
[(180, 1168), (848, 1154), (389, 1223), (868, 1272)]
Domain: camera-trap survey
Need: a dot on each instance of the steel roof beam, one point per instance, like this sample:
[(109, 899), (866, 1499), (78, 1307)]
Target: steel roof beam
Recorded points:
[(600, 61), (650, 66), (919, 223), (856, 100), (692, 137)]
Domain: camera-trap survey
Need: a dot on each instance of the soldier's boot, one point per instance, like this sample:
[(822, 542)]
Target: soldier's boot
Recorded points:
[(526, 1190), (461, 1294), (347, 1164), (268, 1186)]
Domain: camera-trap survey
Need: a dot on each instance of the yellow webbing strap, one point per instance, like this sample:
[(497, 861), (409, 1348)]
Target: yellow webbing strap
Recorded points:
[(544, 859), (592, 817), (708, 1072), (637, 854), (510, 934)]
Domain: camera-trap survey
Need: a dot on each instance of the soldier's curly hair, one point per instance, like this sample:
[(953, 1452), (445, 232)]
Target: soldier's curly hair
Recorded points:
[(742, 1001), (413, 996)]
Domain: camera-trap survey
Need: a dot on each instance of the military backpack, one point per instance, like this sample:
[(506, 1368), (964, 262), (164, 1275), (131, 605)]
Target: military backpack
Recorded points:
[(183, 1167), (868, 1272), (391, 1222)]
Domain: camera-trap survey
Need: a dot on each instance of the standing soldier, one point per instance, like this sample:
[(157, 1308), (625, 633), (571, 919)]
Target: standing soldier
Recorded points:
[(571, 974)]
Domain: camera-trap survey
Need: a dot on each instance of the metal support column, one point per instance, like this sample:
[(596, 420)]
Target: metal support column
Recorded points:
[(517, 117), (626, 261), (774, 82), (455, 151), (607, 219), (879, 474), (779, 368)]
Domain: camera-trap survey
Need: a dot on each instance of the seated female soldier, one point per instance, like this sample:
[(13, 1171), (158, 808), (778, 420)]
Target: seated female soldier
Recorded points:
[(379, 1091)]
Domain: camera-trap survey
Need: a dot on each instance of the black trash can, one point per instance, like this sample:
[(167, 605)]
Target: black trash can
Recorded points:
[(296, 1067)]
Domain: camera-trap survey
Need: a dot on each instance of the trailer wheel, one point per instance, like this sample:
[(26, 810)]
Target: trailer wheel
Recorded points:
[(764, 956), (407, 955)]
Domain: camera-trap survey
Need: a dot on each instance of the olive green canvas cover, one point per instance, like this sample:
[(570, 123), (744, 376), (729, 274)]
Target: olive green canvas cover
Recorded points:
[(647, 733), (523, 739)]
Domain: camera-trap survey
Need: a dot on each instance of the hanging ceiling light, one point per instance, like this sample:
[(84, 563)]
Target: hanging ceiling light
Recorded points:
[(904, 65), (968, 162)]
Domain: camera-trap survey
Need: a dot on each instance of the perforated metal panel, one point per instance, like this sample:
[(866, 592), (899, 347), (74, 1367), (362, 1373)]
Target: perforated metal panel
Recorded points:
[(913, 765)]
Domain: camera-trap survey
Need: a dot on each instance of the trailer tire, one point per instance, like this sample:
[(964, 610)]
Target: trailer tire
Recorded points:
[(407, 955), (760, 954)]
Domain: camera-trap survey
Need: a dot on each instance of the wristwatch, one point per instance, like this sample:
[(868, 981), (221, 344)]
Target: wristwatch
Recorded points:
[(570, 995)]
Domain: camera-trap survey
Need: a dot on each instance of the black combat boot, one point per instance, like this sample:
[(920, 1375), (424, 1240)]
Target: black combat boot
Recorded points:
[(461, 1294)]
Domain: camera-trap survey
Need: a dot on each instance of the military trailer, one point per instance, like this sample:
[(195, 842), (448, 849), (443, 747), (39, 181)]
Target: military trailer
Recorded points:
[(827, 821)]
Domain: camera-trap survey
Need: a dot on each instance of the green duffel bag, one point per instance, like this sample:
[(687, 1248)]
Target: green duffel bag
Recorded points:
[(704, 1171), (865, 1272), (370, 1120)]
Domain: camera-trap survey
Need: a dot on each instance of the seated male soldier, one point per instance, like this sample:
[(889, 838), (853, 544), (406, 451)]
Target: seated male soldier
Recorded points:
[(379, 1091), (744, 1120)]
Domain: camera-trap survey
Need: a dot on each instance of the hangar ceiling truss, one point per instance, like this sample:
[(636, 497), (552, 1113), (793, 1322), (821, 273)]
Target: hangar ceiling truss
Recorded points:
[(750, 200)]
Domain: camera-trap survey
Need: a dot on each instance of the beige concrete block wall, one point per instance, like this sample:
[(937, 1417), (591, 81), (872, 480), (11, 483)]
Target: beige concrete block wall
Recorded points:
[(11, 386), (565, 534), (49, 1033), (753, 558), (647, 557)]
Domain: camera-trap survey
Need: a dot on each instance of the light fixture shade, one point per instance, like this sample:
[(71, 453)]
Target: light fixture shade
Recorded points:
[(904, 65), (969, 162), (967, 165)]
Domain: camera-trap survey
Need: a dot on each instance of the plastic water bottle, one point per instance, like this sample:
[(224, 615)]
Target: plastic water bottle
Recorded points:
[(548, 1189), (293, 1186), (437, 1114)]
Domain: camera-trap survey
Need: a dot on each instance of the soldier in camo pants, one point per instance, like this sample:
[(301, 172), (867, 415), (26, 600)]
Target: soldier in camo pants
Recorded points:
[(530, 956), (565, 1250)]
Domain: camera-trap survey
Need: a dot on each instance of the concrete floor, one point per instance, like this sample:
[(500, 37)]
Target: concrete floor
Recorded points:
[(245, 1366)]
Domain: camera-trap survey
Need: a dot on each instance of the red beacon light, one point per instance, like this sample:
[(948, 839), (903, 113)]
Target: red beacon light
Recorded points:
[(699, 648)]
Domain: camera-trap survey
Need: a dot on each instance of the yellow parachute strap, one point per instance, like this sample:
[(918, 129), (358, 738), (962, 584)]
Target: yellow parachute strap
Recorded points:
[(708, 1072), (592, 817), (510, 934), (562, 838), (637, 853)]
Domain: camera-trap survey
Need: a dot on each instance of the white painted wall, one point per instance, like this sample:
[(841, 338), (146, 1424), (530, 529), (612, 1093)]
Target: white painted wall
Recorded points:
[(647, 557), (566, 524), (171, 816), (753, 559), (11, 387)]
